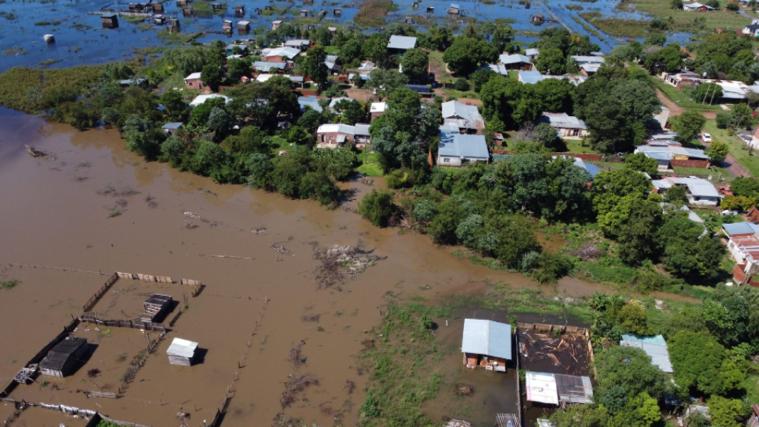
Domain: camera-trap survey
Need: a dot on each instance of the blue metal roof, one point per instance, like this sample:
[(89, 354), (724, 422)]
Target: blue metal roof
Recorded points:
[(655, 347), (740, 228), (463, 146), (487, 337)]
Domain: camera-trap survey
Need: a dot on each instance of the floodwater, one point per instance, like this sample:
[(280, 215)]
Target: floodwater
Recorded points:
[(91, 208), (80, 39)]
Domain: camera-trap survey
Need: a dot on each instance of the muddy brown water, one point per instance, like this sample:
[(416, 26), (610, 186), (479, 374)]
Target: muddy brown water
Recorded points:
[(91, 208)]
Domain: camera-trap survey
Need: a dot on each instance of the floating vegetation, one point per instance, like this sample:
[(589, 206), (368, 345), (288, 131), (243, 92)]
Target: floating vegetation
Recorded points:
[(9, 284), (14, 51), (48, 23), (373, 12), (81, 27), (8, 15)]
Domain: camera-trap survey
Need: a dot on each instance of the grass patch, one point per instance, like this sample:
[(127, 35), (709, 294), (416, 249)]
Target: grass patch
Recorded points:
[(29, 90), (437, 65), (403, 359), (738, 149), (714, 174), (372, 12), (9, 284), (370, 164), (689, 21), (617, 27), (680, 97), (578, 146)]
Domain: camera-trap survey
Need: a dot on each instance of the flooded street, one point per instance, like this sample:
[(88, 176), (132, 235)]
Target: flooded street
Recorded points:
[(91, 208)]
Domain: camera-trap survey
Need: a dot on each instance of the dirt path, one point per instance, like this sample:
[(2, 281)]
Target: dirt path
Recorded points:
[(674, 109), (735, 168)]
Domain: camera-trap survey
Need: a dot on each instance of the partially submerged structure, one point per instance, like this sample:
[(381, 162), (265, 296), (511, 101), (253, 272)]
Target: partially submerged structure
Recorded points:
[(182, 352), (486, 344), (64, 358), (157, 306)]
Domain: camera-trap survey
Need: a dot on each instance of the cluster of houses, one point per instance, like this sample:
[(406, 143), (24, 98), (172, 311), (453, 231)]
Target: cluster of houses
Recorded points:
[(523, 65), (732, 90)]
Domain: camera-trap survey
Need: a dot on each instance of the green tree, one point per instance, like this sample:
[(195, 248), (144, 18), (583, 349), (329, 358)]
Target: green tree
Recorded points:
[(414, 63), (696, 358), (313, 65), (555, 95), (625, 372), (514, 237), (726, 412), (687, 252), (581, 416), (176, 108), (142, 137), (706, 93), (236, 68), (688, 126), (377, 207), (212, 76), (209, 160), (551, 61), (717, 151), (467, 53), (641, 163), (548, 137), (745, 186)]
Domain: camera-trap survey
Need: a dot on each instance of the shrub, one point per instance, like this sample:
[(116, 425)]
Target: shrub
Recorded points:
[(461, 84), (377, 207)]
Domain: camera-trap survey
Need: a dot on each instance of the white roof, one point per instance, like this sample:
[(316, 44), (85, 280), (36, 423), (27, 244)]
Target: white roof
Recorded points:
[(336, 128), (486, 337), (182, 348), (541, 387), (588, 59), (401, 42), (563, 121), (531, 51), (514, 58), (668, 152), (200, 99), (655, 347), (362, 129), (193, 76), (464, 115), (378, 107), (697, 187), (286, 51), (298, 43)]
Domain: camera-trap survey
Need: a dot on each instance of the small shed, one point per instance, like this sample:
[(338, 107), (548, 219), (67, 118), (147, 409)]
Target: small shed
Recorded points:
[(541, 388), (243, 27), (64, 358), (109, 20), (276, 24), (226, 27), (487, 344), (157, 306), (157, 7), (240, 11), (182, 352)]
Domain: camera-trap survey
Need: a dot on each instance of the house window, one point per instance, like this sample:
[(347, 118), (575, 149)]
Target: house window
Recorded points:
[(446, 160)]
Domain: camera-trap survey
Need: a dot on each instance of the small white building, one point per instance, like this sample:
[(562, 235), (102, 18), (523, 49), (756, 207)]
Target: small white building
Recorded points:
[(377, 109), (182, 352), (401, 43), (700, 192)]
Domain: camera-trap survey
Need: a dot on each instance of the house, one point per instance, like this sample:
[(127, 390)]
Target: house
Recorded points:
[(465, 117), (311, 102), (361, 136), (655, 347), (457, 149), (377, 109), (515, 61), (333, 135), (588, 64), (568, 127), (365, 70), (696, 7), (752, 29), (182, 352), (486, 343), (276, 24), (401, 43), (279, 54), (300, 44), (265, 77), (684, 79), (743, 245), (194, 81), (64, 358), (754, 142), (531, 53), (529, 77), (699, 191), (671, 155), (200, 99), (269, 67), (157, 306), (557, 389), (171, 127), (243, 26), (331, 62)]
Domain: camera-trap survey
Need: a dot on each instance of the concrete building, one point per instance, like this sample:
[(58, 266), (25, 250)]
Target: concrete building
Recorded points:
[(182, 352), (486, 344), (194, 81)]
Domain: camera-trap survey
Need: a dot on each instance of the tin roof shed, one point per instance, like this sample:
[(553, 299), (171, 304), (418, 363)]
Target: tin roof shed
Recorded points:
[(487, 337)]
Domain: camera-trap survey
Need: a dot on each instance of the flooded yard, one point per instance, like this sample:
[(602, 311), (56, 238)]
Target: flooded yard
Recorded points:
[(80, 38)]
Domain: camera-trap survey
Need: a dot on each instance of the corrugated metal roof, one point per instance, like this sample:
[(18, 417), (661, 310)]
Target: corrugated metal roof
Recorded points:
[(740, 228), (530, 77), (486, 337), (464, 146), (401, 42), (311, 102), (267, 66), (514, 58), (469, 113), (563, 121), (541, 387), (182, 348), (655, 347), (336, 128)]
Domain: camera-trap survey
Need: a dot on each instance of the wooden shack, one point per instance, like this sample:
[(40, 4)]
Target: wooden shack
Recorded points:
[(64, 358), (157, 7), (157, 306), (218, 6), (159, 19), (337, 12), (174, 26), (187, 11), (182, 352), (109, 20), (183, 3), (240, 11), (304, 13), (276, 24), (243, 27), (226, 27)]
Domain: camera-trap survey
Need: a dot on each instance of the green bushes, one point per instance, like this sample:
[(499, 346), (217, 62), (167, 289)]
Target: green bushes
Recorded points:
[(377, 207)]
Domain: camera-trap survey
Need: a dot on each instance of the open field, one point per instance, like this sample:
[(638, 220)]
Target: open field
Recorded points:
[(689, 21), (738, 148)]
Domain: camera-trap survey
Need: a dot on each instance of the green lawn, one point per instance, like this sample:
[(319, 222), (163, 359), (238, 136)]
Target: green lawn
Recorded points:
[(737, 148), (716, 174), (437, 65), (689, 21), (577, 146), (370, 164), (681, 98)]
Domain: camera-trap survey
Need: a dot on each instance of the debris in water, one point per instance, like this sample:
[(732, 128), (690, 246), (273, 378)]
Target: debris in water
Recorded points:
[(34, 152), (151, 201), (464, 389), (280, 248), (294, 386), (296, 354), (341, 260)]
